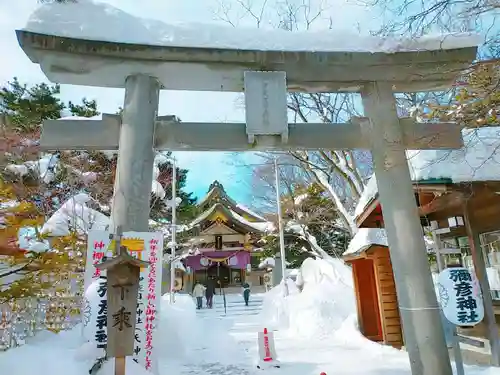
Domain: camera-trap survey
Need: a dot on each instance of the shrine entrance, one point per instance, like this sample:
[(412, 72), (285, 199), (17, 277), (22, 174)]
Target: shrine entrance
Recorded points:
[(220, 273)]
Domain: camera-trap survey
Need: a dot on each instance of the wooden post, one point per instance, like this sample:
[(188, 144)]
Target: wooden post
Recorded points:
[(480, 268), (122, 282)]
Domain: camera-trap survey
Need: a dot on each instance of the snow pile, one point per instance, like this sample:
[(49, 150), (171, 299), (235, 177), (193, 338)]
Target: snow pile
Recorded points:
[(327, 298), (62, 353), (275, 308), (75, 215), (179, 327), (45, 168), (325, 304), (97, 21)]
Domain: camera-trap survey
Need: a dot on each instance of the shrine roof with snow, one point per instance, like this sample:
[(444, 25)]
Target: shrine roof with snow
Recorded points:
[(477, 161), (218, 205)]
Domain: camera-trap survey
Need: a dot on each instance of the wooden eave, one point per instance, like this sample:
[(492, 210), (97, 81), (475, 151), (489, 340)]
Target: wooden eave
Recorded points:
[(371, 215), (239, 226), (449, 202)]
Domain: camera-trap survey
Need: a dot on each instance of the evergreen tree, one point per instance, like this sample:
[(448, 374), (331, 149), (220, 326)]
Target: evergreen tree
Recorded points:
[(88, 108), (187, 209), (26, 107)]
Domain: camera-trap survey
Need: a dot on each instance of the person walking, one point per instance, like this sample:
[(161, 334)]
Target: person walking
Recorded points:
[(209, 293), (246, 293), (198, 292)]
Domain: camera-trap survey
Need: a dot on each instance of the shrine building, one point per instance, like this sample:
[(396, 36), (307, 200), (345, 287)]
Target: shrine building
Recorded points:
[(221, 244)]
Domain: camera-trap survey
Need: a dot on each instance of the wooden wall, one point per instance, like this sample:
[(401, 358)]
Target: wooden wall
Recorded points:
[(388, 300)]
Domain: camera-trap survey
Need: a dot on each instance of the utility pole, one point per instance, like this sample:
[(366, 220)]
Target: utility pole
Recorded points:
[(173, 229), (280, 227)]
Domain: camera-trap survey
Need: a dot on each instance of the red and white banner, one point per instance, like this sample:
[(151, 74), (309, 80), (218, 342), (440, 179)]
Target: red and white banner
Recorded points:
[(146, 246)]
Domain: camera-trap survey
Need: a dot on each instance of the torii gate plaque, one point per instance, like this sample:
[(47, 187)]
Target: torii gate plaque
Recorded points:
[(266, 76)]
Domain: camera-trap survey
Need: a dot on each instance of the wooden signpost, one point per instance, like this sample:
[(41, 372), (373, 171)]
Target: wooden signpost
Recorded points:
[(123, 286)]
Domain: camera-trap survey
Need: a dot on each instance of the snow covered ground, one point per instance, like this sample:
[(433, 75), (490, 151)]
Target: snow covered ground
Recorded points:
[(316, 332)]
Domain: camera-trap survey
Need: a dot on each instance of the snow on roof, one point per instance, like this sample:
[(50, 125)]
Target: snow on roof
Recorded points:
[(261, 227), (477, 160), (95, 118), (200, 203), (369, 193), (249, 211), (364, 238), (99, 21), (203, 216)]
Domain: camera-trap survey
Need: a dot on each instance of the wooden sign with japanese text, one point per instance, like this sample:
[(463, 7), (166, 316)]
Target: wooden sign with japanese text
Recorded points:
[(147, 246), (123, 282), (460, 296)]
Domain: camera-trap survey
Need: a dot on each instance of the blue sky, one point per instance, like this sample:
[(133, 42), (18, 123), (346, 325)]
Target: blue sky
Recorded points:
[(189, 106)]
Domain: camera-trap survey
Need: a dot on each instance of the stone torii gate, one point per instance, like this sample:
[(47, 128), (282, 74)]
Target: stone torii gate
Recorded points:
[(266, 76)]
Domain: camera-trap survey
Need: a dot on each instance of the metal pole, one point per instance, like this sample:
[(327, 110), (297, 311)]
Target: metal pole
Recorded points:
[(280, 226), (134, 173), (420, 313), (173, 229)]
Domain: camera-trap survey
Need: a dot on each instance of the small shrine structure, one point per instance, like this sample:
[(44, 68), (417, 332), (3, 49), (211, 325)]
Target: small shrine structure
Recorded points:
[(220, 244), (457, 195), (375, 289)]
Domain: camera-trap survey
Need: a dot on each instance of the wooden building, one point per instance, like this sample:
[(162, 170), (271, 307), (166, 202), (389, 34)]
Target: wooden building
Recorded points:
[(458, 197), (376, 298), (220, 244)]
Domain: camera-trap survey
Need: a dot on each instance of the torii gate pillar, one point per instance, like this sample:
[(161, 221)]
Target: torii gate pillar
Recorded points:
[(132, 191), (418, 304)]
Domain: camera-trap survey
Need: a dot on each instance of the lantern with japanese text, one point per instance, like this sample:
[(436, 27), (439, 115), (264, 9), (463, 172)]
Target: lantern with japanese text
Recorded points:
[(460, 296)]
